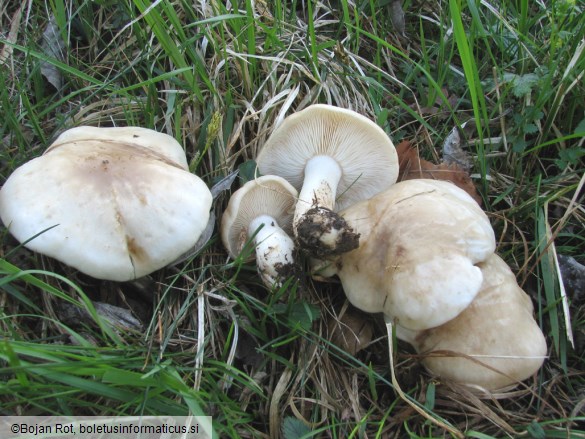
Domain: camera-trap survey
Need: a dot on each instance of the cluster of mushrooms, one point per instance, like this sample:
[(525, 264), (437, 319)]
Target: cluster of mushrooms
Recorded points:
[(421, 252)]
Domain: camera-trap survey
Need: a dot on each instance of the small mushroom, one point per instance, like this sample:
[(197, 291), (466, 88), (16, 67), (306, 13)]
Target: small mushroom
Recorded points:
[(416, 263), (115, 203), (494, 343), (335, 157), (261, 210)]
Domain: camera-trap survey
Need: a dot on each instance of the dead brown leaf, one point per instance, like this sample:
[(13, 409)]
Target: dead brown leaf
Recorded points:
[(6, 50), (573, 274), (397, 17), (412, 166), (351, 331)]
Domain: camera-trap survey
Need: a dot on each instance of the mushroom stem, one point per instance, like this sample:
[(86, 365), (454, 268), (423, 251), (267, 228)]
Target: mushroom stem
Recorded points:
[(274, 250), (318, 229), (322, 175)]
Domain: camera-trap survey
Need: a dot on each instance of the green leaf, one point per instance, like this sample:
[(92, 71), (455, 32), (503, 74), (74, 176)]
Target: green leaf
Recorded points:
[(430, 396), (478, 435), (518, 144), (569, 156), (530, 128), (536, 431), (298, 315), (465, 47), (247, 171), (580, 129), (303, 315), (292, 428), (523, 84)]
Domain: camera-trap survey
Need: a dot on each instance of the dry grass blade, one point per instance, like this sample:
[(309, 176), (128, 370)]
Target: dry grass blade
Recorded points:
[(12, 36), (416, 407), (275, 400), (200, 338), (462, 395), (562, 292)]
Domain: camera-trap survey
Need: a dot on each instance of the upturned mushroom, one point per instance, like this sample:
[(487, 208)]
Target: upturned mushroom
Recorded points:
[(416, 263), (115, 203), (261, 211), (494, 343), (335, 157)]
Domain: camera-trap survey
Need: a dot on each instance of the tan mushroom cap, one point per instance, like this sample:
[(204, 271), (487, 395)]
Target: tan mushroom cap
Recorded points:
[(363, 151), (420, 242), (268, 195), (497, 330), (117, 210)]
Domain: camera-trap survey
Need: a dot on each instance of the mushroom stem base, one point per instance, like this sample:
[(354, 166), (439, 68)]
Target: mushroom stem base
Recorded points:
[(274, 251), (323, 233)]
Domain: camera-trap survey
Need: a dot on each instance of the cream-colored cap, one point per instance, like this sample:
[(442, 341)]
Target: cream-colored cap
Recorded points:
[(363, 151), (494, 343), (117, 209), (419, 246)]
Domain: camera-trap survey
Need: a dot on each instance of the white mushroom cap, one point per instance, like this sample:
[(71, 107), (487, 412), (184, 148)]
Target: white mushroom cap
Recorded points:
[(262, 210), (118, 210), (494, 343), (420, 242), (328, 152), (160, 144)]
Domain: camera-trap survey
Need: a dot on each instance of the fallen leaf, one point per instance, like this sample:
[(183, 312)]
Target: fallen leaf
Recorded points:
[(453, 153), (248, 350), (119, 318), (224, 184), (12, 36), (412, 167), (53, 47), (397, 17), (573, 274), (352, 331)]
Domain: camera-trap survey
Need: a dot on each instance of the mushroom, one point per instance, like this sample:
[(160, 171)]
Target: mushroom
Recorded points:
[(494, 343), (335, 157), (160, 145), (261, 211), (115, 203), (420, 241)]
